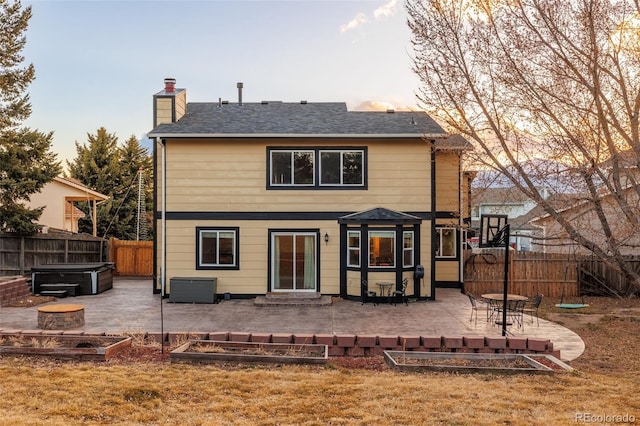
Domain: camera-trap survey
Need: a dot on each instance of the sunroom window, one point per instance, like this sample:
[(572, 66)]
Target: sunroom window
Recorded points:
[(353, 248), (407, 249), (382, 249)]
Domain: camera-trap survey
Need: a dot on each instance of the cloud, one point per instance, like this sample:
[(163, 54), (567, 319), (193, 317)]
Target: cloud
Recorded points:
[(386, 10), (382, 106), (357, 21)]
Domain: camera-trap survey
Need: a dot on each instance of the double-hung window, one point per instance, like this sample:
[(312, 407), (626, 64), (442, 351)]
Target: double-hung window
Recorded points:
[(407, 249), (217, 248), (353, 249)]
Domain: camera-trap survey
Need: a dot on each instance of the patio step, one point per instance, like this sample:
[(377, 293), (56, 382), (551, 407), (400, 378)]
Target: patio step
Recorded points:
[(292, 299)]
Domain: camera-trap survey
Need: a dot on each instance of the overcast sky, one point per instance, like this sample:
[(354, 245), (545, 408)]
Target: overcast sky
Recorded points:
[(98, 63)]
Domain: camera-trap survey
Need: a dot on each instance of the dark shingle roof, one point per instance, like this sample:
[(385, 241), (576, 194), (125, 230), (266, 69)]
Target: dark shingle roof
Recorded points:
[(379, 215), (294, 119)]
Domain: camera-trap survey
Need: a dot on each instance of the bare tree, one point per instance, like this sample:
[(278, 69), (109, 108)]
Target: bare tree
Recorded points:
[(544, 79)]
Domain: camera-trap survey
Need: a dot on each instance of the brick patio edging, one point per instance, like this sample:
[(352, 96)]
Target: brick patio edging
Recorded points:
[(346, 344)]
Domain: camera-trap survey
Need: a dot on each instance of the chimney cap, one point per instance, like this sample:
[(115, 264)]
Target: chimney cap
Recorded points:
[(169, 85), (240, 85)]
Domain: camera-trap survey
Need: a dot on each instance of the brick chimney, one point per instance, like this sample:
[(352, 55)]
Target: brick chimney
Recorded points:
[(170, 104), (169, 85)]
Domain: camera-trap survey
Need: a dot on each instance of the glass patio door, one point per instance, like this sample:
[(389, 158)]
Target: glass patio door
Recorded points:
[(293, 261)]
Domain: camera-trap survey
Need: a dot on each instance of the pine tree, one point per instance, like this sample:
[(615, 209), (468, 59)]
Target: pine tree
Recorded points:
[(112, 170), (134, 160), (97, 165), (26, 162)]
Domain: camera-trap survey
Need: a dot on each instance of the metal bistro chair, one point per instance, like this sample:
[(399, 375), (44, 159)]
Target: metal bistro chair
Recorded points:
[(474, 307), (366, 294), (401, 295), (533, 307), (516, 313)]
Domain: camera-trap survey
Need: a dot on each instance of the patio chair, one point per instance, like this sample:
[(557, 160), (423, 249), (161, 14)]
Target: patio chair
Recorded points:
[(401, 295), (366, 294), (516, 313), (474, 307), (534, 307)]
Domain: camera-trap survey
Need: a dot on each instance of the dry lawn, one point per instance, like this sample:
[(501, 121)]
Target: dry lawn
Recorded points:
[(150, 390)]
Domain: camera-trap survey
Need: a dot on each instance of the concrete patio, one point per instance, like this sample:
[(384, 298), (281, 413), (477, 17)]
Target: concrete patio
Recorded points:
[(130, 307)]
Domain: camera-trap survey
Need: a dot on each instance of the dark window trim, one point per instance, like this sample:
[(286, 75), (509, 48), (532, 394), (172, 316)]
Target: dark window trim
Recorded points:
[(236, 254), (316, 168)]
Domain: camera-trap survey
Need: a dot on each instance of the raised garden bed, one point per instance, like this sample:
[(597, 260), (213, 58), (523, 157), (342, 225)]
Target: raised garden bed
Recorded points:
[(215, 351), (475, 362), (98, 348)]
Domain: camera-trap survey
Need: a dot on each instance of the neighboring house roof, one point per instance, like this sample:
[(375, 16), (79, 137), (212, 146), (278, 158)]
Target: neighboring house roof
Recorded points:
[(88, 192), (304, 119)]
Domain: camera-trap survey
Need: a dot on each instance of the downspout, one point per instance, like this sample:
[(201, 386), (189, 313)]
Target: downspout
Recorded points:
[(163, 241), (460, 225)]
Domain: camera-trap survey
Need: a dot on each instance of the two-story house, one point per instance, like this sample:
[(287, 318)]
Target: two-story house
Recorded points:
[(304, 197)]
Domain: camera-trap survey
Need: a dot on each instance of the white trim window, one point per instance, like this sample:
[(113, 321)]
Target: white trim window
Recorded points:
[(445, 242), (341, 168), (217, 248), (353, 249), (382, 246), (292, 167), (407, 249)]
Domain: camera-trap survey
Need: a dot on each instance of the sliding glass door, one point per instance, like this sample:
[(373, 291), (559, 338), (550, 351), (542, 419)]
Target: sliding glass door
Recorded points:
[(293, 261)]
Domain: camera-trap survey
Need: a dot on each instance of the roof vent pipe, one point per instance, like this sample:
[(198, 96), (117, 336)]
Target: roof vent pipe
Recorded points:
[(240, 86)]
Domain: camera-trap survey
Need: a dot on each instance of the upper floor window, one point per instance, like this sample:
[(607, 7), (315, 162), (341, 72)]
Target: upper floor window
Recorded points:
[(292, 168), (326, 168), (341, 168)]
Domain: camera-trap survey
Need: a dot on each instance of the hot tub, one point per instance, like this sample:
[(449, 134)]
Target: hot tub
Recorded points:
[(91, 278)]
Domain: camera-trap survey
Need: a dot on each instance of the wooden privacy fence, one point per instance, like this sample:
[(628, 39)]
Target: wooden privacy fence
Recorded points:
[(132, 258), (596, 277), (530, 273), (18, 254)]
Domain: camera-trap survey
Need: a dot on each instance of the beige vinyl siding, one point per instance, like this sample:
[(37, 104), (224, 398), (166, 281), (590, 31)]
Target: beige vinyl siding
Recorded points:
[(251, 278), (163, 110), (447, 181), (232, 176), (447, 271), (181, 103)]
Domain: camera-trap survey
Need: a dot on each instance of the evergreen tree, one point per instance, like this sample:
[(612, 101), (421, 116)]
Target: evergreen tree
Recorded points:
[(97, 165), (26, 163), (134, 159), (112, 170)]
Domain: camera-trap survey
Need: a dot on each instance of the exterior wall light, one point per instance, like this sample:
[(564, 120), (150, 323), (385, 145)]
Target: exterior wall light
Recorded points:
[(326, 238)]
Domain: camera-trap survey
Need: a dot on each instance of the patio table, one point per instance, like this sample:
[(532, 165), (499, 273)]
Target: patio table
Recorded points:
[(495, 302), (385, 290)]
